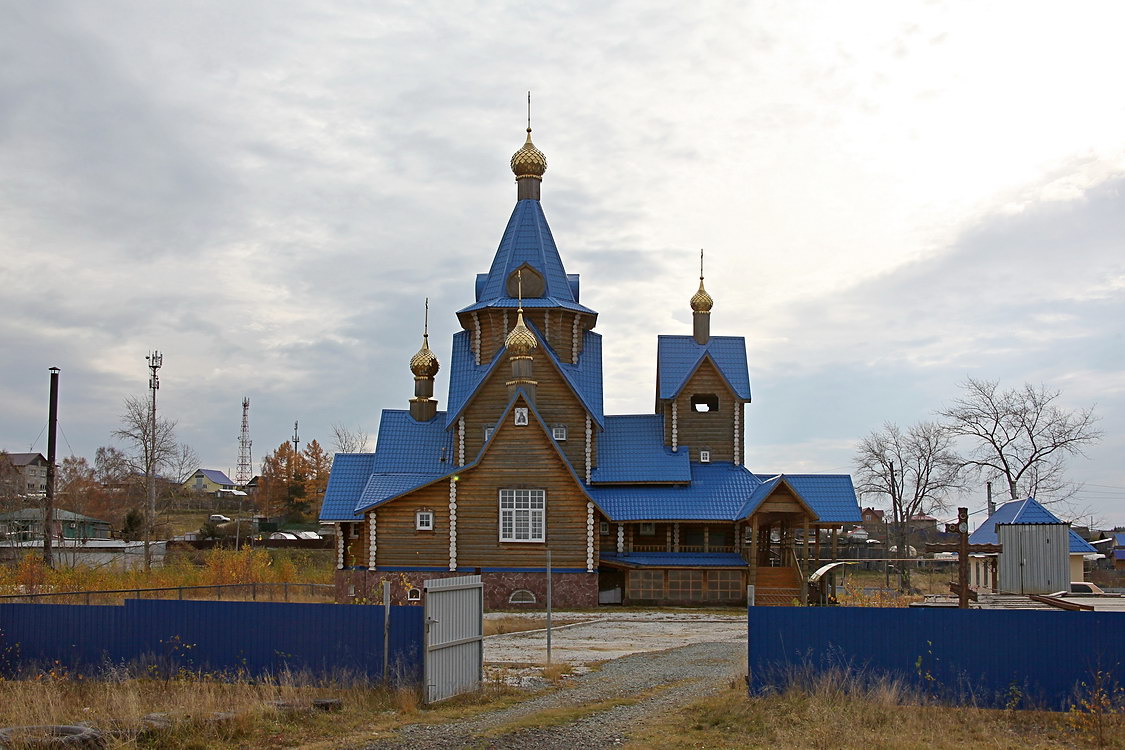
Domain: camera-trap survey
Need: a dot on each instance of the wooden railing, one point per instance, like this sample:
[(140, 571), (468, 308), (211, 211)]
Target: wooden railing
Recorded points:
[(684, 548)]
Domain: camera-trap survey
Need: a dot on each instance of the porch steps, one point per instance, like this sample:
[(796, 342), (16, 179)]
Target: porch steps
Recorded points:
[(777, 587)]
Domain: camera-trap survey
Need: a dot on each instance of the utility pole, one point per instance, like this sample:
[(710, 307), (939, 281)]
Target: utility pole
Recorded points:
[(991, 505), (155, 360), (49, 505), (293, 465)]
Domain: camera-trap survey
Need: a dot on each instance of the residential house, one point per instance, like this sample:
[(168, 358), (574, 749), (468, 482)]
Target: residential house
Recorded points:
[(524, 471), (25, 474), (210, 482), (27, 524)]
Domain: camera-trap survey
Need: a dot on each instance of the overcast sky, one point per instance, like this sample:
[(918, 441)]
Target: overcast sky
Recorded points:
[(892, 196)]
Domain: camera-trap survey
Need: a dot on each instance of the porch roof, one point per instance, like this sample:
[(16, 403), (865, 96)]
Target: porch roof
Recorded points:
[(675, 559)]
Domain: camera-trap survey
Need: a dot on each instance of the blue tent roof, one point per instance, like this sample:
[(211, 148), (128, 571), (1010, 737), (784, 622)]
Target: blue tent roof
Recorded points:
[(631, 449), (677, 560), (349, 475), (1027, 511), (527, 239), (677, 357)]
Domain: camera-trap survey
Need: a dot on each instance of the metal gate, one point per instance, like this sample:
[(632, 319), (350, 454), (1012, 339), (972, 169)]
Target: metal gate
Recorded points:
[(454, 636)]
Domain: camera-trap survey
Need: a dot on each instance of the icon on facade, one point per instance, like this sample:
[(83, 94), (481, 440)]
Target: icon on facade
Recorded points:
[(521, 416)]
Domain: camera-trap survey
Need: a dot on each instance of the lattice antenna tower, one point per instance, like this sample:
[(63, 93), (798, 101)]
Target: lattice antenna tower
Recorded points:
[(245, 470)]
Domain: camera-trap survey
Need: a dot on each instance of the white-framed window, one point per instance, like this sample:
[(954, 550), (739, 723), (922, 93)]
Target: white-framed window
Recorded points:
[(523, 515), (414, 595), (648, 529), (704, 457), (604, 528), (488, 432), (558, 432), (424, 520)]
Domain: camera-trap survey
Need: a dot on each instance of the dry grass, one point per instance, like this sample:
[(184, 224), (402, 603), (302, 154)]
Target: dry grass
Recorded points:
[(519, 624), (831, 714), (247, 714), (556, 672)]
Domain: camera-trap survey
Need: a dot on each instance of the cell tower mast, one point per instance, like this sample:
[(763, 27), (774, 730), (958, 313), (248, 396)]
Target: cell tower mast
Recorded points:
[(245, 466)]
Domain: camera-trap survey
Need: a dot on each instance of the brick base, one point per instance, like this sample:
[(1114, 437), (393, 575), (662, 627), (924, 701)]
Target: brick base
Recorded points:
[(568, 590)]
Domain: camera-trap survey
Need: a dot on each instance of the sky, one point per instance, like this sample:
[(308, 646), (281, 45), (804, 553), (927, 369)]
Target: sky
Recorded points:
[(893, 197)]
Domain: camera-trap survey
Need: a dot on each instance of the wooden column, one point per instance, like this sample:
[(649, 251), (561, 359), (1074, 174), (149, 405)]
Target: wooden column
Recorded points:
[(706, 538), (753, 573), (817, 546), (835, 548)]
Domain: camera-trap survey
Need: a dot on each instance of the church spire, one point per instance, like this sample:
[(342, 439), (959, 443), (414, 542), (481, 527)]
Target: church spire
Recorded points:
[(425, 366), (528, 164), (701, 304)]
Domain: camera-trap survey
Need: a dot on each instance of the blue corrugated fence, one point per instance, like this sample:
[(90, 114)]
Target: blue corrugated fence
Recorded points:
[(983, 657), (251, 638)]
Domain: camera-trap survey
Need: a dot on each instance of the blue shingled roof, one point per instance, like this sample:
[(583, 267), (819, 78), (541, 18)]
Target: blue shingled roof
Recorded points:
[(677, 357), (676, 560), (584, 377), (215, 476), (831, 496), (349, 475), (465, 376), (631, 449), (1027, 511), (527, 239), (408, 454), (1119, 539), (717, 492)]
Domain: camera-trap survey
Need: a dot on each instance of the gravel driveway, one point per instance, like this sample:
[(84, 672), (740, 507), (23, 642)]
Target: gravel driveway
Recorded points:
[(652, 681)]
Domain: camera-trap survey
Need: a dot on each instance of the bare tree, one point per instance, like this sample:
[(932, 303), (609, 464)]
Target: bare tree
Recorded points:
[(349, 440), (151, 447), (1021, 436), (916, 471)]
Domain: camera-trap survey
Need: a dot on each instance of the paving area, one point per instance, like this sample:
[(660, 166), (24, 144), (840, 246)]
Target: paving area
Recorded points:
[(648, 663), (612, 635)]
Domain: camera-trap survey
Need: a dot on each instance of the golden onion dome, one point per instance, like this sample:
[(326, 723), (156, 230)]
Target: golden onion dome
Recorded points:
[(520, 340), (529, 161), (424, 364), (701, 301)]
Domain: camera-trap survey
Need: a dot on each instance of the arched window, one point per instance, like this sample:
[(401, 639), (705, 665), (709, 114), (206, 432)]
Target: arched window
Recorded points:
[(521, 596), (414, 595)]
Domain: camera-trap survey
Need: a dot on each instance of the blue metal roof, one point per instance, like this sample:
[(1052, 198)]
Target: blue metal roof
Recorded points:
[(408, 454), (408, 446), (1027, 511), (583, 377), (349, 475), (465, 376), (831, 496), (677, 357), (527, 239), (631, 449), (676, 560), (1119, 539), (716, 493), (215, 476)]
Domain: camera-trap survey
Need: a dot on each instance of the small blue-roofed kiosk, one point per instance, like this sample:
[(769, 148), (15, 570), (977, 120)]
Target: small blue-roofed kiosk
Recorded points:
[(656, 508)]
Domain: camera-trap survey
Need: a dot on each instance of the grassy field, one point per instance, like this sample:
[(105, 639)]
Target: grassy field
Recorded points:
[(219, 715), (831, 716)]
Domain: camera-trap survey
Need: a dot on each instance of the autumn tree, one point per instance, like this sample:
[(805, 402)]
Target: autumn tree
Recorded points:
[(282, 490), (317, 464), (916, 471), (1021, 436)]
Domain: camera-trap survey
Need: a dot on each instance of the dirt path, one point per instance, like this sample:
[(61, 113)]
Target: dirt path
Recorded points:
[(595, 710)]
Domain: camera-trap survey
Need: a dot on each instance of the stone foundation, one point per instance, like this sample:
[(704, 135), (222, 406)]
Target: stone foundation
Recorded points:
[(568, 590)]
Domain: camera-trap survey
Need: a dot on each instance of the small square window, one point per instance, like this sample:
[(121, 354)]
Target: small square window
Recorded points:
[(605, 528), (648, 529), (704, 457), (558, 432), (424, 520)]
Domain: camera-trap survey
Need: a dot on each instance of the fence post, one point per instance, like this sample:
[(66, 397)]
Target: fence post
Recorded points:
[(180, 592), (219, 592), (254, 591), (386, 629), (749, 596), (87, 598), (285, 588)]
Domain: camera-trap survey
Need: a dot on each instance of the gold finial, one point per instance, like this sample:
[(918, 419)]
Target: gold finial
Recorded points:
[(520, 340), (529, 161), (701, 301), (424, 364)]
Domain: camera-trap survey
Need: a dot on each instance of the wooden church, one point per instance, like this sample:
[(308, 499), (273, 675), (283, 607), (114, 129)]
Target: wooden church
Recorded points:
[(653, 508)]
